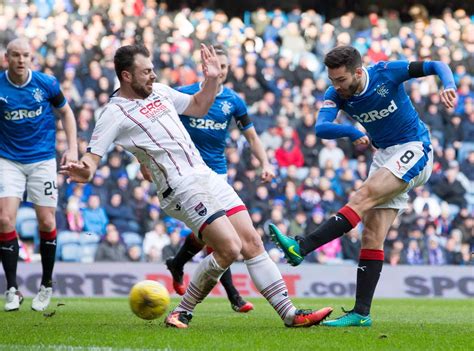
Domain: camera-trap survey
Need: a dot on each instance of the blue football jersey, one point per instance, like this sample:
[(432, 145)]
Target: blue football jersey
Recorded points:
[(383, 107), (27, 122), (210, 132)]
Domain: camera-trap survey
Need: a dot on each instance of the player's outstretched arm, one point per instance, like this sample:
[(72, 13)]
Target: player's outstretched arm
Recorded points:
[(82, 171), (203, 99), (442, 70), (69, 124), (256, 146), (326, 128)]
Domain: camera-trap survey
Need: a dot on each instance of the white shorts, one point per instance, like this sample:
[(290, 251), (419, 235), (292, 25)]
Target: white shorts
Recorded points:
[(412, 162), (38, 179), (200, 199)]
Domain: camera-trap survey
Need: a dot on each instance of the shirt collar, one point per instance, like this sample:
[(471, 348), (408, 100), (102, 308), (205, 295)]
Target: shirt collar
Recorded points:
[(366, 82), (28, 80)]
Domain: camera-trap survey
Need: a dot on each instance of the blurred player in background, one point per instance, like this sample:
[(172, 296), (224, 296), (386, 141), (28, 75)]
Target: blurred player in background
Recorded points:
[(376, 98), (27, 161), (143, 118), (209, 135)]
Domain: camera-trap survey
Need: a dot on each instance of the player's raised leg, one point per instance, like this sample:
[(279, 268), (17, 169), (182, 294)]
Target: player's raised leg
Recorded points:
[(376, 225), (9, 251), (379, 188), (175, 265), (47, 232), (268, 279), (226, 243)]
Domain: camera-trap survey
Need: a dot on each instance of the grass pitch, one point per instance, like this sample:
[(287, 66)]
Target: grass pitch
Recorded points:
[(108, 324)]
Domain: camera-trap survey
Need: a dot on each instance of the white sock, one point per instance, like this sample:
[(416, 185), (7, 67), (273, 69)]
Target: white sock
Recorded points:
[(268, 280), (205, 278)]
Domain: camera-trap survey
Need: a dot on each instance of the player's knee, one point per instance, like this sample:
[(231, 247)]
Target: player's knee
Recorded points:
[(7, 222), (362, 199), (370, 240), (229, 251), (253, 246), (47, 223)]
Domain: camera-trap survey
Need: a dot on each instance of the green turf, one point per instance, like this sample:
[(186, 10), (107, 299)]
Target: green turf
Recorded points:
[(108, 324)]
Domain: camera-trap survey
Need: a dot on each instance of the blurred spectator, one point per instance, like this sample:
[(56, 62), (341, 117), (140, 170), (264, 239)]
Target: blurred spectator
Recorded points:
[(111, 249), (172, 248), (289, 154), (95, 218), (298, 223), (120, 214), (134, 253), (351, 246), (330, 155), (155, 241), (414, 255), (74, 217), (435, 253), (450, 189)]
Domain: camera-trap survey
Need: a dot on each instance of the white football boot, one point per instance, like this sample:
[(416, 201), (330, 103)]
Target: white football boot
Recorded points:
[(42, 299), (13, 299)]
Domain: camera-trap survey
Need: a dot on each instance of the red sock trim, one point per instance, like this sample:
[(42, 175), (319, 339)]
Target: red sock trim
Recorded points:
[(350, 215), (236, 209), (373, 255), (8, 236), (48, 235)]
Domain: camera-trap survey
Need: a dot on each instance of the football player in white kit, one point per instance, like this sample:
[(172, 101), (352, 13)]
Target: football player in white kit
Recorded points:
[(144, 118)]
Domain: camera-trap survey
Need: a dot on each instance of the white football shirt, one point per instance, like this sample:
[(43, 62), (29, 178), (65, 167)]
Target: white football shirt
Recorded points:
[(151, 130)]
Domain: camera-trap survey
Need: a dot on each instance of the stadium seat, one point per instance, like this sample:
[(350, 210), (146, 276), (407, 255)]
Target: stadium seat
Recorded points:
[(26, 223), (28, 228), (89, 243), (71, 252), (68, 246), (131, 239)]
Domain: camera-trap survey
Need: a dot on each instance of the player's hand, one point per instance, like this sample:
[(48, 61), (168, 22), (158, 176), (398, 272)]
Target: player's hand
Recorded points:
[(268, 173), (69, 156), (211, 66), (79, 172), (146, 172), (448, 97), (362, 141)]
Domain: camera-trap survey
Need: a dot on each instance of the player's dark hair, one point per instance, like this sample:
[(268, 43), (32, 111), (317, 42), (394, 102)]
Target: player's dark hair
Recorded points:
[(220, 49), (346, 56), (125, 56)]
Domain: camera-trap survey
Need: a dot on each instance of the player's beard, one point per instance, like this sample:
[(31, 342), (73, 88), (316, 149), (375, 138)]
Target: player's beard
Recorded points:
[(354, 86), (139, 89), (352, 89)]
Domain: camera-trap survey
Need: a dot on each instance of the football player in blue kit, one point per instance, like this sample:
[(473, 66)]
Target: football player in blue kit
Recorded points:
[(28, 161), (209, 135), (376, 98)]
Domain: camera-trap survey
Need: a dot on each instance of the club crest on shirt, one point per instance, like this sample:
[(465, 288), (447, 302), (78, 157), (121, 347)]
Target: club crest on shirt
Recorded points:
[(382, 90), (226, 108), (38, 95), (200, 209)]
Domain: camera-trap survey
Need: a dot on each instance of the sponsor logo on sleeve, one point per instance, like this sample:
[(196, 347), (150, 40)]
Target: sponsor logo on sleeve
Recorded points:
[(329, 104)]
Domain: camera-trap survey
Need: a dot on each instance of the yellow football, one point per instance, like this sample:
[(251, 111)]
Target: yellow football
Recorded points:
[(149, 299)]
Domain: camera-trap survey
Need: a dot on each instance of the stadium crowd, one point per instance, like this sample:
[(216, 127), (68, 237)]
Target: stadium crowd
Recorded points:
[(276, 64)]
